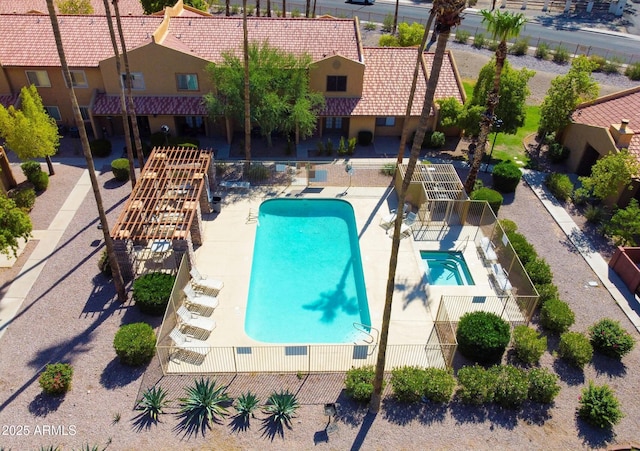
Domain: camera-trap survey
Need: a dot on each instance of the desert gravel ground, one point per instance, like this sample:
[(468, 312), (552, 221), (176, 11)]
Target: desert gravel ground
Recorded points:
[(71, 315)]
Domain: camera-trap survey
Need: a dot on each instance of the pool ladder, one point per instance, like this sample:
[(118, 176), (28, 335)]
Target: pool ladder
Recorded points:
[(461, 247), (370, 339)]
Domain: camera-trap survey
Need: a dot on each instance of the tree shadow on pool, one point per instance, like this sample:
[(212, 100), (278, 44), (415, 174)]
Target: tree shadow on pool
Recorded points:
[(331, 302)]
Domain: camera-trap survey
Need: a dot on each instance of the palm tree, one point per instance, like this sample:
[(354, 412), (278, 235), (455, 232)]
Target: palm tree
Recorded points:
[(503, 26), (414, 83), (395, 19), (123, 101), (131, 106), (227, 7), (113, 260), (247, 92), (268, 8), (447, 16), (257, 8)]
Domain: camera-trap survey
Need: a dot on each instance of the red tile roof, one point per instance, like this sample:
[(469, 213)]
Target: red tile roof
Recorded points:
[(27, 40), (608, 110), (149, 105), (126, 7), (8, 100), (388, 76)]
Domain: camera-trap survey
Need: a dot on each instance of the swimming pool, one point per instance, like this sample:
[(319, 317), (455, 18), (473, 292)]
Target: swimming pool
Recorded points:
[(307, 283), (446, 268)]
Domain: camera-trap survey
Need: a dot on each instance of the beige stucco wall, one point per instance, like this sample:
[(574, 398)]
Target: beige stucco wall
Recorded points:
[(5, 87), (159, 66), (361, 123), (337, 65), (578, 137)]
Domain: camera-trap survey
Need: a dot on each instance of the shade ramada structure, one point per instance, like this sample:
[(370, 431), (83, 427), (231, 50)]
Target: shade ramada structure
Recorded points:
[(162, 219)]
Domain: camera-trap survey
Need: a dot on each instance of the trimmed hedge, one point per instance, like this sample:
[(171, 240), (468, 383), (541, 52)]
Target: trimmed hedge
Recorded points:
[(539, 271), (506, 176), (493, 197), (476, 385), (439, 384), (609, 338), (556, 315), (100, 148), (30, 168), (40, 181), (24, 197), (511, 386), (560, 186), (528, 345), (599, 406), (575, 348), (359, 383), (56, 378), (543, 385), (525, 250), (151, 292), (120, 169), (135, 344), (482, 336), (407, 383)]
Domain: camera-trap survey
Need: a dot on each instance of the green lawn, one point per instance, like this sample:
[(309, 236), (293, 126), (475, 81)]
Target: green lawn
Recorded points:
[(509, 146)]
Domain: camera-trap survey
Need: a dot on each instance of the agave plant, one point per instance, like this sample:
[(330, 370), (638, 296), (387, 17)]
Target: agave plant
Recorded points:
[(153, 401), (281, 407), (204, 402), (246, 404)]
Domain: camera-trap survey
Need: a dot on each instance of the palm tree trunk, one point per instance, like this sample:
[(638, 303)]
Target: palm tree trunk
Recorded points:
[(227, 8), (414, 83), (268, 8), (123, 102), (113, 260), (284, 8), (488, 118), (307, 9), (132, 108), (47, 158), (257, 8), (438, 58), (247, 92)]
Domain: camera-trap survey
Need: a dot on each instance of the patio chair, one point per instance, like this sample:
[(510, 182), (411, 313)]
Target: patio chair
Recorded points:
[(199, 299), (201, 282), (387, 221), (188, 344), (487, 250), (501, 278), (187, 318)]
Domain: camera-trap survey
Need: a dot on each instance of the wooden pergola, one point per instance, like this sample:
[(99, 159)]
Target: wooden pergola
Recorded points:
[(162, 219)]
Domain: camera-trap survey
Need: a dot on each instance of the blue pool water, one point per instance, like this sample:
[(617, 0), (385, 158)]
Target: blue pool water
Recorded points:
[(307, 283), (446, 268)]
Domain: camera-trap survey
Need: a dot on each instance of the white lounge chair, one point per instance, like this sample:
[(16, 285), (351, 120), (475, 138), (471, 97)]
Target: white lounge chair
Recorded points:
[(501, 279), (405, 231), (199, 299), (237, 184), (487, 250), (188, 318), (203, 283), (388, 220), (185, 343)]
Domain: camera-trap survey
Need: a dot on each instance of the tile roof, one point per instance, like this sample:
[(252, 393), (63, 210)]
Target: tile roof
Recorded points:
[(27, 40), (126, 7), (388, 76), (9, 100), (149, 105), (317, 37), (610, 109)]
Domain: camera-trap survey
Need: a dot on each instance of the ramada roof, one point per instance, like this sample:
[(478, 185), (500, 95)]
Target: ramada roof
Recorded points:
[(126, 7), (611, 109), (388, 76), (27, 40)]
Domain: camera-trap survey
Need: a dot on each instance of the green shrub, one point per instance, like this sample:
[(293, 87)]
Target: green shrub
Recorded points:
[(599, 406), (370, 26), (120, 169), (258, 172), (610, 339), (388, 169), (387, 23), (594, 214), (575, 348), (351, 145), (206, 402), (520, 47), (439, 384), (508, 225), (523, 249), (612, 66), (407, 383), (151, 292), (462, 36), (100, 148), (560, 55), (476, 385), (40, 181), (560, 186), (479, 40), (598, 61), (493, 197), (24, 197), (633, 71), (511, 386), (104, 265), (388, 40), (482, 336), (365, 137), (543, 385), (547, 291), (539, 271), (135, 344), (410, 35), (30, 168), (359, 383), (295, 12), (528, 345), (542, 51), (56, 378), (437, 140), (557, 153), (506, 176), (556, 315)]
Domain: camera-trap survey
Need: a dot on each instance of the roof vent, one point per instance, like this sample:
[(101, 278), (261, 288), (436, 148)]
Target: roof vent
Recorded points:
[(623, 125), (189, 22)]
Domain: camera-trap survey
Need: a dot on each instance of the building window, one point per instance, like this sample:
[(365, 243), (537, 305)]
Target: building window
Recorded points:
[(78, 79), (54, 112), (385, 121), (137, 81), (333, 123), (84, 112), (187, 82), (39, 78), (336, 83)]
